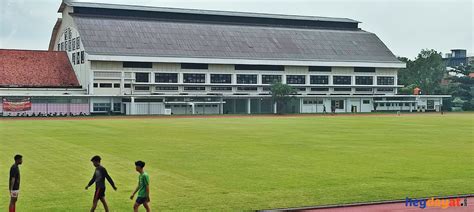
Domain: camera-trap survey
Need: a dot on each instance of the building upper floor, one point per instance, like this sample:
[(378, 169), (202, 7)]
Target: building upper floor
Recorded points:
[(157, 78)]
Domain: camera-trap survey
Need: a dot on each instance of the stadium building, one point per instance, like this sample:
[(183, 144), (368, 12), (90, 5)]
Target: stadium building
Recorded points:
[(138, 60)]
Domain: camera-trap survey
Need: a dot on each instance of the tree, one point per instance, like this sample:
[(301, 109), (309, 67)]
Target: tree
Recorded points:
[(461, 86), (425, 72), (281, 95)]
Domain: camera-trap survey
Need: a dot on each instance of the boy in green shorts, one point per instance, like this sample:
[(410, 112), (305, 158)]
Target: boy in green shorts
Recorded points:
[(143, 188)]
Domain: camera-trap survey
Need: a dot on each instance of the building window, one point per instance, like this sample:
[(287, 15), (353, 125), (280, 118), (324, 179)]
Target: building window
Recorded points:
[(342, 80), (247, 88), (342, 89), (166, 78), (70, 33), (137, 65), (385, 89), (82, 57), (319, 80), (78, 43), (69, 45), (194, 78), (194, 66), (296, 79), (221, 78), (142, 88), (74, 44), (221, 88), (270, 79), (385, 80), (338, 104), (364, 80), (101, 107), (78, 58), (127, 85), (366, 102), (194, 88), (116, 85), (142, 77), (117, 107), (364, 69), (259, 68), (364, 89), (319, 89), (106, 85), (246, 79), (96, 85), (167, 88), (73, 58), (301, 89), (59, 47), (320, 68)]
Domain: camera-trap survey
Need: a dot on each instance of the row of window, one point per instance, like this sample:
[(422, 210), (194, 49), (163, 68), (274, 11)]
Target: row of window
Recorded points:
[(201, 66), (253, 88), (407, 104), (77, 58), (266, 79), (320, 102), (70, 45), (106, 107), (110, 85), (175, 88)]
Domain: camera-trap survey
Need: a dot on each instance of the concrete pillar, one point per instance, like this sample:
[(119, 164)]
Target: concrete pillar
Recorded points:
[(221, 107), (193, 108), (249, 106), (132, 106), (301, 106), (275, 109), (112, 104), (91, 105), (122, 83)]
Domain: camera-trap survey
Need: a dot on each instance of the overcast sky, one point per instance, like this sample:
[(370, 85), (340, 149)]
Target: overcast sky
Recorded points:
[(406, 26)]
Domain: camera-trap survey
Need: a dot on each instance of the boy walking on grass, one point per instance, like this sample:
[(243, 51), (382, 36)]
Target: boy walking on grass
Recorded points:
[(143, 188), (99, 177)]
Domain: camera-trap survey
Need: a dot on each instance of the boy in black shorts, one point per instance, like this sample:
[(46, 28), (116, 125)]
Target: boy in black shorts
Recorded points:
[(99, 177), (143, 188)]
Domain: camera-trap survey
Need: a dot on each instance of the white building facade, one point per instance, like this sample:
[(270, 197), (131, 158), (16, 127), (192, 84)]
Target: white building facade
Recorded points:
[(148, 61)]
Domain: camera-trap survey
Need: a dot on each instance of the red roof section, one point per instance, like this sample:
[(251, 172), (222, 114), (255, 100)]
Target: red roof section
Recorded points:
[(29, 68)]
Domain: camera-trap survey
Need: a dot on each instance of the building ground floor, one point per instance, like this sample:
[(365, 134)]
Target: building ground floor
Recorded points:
[(202, 105)]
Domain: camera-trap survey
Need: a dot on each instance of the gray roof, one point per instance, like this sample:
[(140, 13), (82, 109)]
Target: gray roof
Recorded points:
[(147, 37), (206, 12)]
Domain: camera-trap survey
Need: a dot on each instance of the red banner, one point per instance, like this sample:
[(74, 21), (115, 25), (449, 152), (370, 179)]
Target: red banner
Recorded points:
[(16, 104)]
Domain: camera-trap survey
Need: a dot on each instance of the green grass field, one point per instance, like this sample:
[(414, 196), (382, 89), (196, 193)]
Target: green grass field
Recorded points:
[(223, 164)]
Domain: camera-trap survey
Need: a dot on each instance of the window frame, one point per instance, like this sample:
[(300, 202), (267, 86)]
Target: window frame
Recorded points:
[(220, 80), (336, 82), (140, 73), (298, 82), (197, 78)]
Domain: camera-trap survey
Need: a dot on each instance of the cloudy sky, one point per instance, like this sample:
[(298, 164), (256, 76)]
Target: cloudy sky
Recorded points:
[(406, 26)]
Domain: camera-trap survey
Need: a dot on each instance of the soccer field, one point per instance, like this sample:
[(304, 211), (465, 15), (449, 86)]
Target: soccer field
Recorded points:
[(243, 163)]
